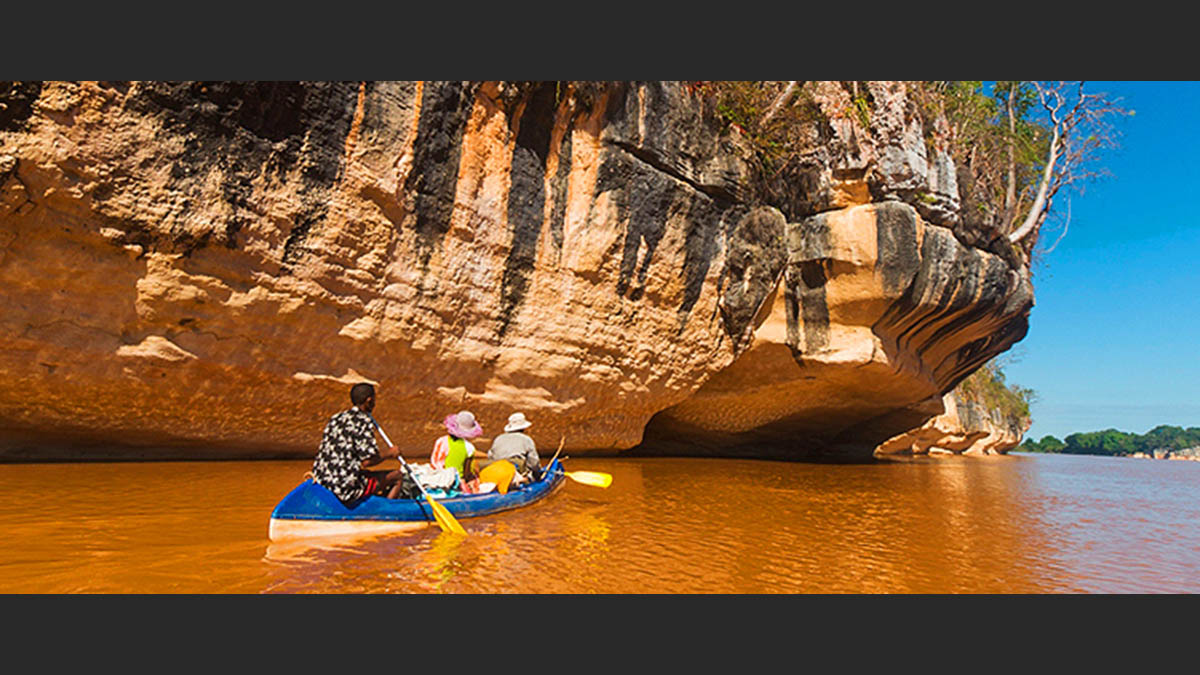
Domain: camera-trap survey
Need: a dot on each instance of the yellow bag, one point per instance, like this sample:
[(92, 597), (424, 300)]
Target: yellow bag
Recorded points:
[(501, 473)]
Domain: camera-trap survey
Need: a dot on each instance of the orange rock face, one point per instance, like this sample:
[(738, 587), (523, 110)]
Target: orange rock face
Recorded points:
[(202, 270), (875, 307)]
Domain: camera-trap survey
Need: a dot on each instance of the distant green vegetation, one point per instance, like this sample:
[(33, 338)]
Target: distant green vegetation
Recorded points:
[(987, 387), (1118, 443)]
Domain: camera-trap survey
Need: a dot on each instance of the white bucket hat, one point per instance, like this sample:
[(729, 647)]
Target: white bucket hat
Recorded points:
[(516, 422)]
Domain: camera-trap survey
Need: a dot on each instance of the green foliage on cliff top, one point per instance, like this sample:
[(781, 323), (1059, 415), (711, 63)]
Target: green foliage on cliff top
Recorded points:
[(987, 387), (1118, 443), (779, 139), (999, 138)]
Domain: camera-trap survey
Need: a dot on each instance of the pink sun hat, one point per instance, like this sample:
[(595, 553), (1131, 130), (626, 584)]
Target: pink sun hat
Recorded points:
[(463, 425)]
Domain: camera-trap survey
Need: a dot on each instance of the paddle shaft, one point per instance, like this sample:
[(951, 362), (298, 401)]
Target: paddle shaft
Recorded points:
[(401, 458), (440, 515), (560, 447)]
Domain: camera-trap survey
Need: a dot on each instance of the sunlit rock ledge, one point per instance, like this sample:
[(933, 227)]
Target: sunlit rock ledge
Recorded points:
[(877, 315), (964, 428), (202, 269)]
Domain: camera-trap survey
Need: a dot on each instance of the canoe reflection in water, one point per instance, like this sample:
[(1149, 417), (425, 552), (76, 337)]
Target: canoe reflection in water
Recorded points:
[(1017, 524)]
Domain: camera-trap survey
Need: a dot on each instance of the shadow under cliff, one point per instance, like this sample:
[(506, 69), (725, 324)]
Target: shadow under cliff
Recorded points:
[(797, 438)]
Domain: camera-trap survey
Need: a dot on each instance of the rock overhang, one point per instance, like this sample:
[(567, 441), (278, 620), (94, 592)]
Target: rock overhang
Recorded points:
[(213, 261)]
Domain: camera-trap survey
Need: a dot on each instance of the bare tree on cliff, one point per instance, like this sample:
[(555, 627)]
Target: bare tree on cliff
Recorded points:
[(1019, 146), (781, 100), (1077, 126)]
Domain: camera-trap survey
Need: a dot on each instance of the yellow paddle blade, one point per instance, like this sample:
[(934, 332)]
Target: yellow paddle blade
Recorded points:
[(443, 517), (595, 478)]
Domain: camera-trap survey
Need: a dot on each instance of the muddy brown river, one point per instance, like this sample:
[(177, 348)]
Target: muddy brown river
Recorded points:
[(1016, 524)]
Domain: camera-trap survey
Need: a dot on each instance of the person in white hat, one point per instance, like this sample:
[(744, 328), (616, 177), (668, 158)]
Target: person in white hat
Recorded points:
[(518, 448)]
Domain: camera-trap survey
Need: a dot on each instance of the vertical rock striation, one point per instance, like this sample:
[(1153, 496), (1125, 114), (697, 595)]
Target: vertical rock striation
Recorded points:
[(201, 269), (876, 307)]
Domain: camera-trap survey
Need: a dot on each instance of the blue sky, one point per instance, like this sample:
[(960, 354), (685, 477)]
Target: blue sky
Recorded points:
[(1114, 339)]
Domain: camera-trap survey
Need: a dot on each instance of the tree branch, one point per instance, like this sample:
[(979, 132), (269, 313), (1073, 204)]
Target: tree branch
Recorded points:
[(1066, 224), (1010, 195), (1039, 203), (781, 100)]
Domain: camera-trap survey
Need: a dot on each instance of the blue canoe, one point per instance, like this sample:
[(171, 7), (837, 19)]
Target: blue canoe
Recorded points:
[(311, 510)]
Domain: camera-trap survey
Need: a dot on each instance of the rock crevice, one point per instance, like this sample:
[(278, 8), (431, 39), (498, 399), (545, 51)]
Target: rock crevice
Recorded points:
[(599, 256)]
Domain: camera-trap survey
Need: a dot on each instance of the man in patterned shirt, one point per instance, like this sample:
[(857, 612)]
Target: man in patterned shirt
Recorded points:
[(348, 447)]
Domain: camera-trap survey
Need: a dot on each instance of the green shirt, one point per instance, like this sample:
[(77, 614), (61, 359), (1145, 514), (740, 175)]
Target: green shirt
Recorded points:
[(448, 451)]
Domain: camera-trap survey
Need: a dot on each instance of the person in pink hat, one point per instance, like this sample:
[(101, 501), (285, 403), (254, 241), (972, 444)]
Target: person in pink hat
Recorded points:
[(454, 448)]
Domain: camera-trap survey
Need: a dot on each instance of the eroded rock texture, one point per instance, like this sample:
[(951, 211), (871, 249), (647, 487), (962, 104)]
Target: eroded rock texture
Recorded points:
[(875, 307), (201, 269), (964, 428)]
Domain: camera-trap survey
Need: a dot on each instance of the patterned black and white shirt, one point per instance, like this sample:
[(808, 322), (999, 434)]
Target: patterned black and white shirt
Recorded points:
[(349, 438)]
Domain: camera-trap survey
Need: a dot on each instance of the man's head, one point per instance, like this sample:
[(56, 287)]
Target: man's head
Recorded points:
[(517, 422), (363, 396)]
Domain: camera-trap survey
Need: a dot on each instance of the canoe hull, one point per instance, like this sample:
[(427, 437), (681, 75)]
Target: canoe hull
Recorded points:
[(311, 510), (295, 528)]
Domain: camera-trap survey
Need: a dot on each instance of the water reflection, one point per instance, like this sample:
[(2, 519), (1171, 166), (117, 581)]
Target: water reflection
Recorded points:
[(932, 525)]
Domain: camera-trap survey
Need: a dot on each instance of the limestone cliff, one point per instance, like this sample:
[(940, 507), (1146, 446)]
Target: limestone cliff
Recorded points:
[(965, 427), (201, 269)]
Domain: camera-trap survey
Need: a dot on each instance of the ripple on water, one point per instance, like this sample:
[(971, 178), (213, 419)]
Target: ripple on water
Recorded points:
[(952, 525)]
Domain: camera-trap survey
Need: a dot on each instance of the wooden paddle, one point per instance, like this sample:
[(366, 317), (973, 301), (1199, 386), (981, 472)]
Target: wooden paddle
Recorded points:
[(441, 515), (560, 447)]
